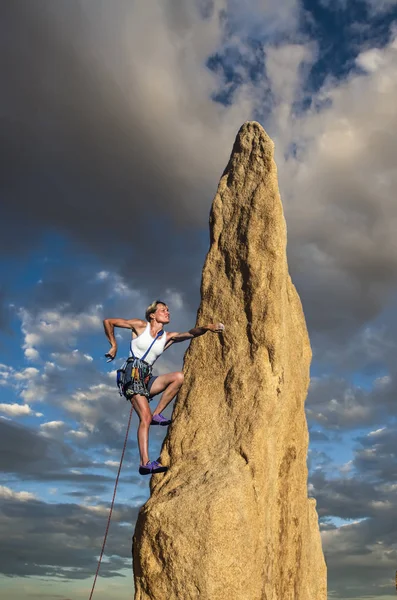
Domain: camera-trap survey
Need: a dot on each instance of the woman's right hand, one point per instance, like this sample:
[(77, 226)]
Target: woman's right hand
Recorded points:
[(111, 355)]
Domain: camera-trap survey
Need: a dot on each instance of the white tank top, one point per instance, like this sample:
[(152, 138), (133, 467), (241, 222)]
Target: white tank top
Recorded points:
[(140, 344)]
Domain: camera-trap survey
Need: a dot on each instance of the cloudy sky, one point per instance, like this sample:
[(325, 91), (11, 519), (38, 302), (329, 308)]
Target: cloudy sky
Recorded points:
[(117, 119)]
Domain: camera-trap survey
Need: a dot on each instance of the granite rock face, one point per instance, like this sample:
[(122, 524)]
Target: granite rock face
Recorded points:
[(231, 519)]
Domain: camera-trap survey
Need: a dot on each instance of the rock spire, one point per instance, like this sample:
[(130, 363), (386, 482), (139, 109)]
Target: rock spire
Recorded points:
[(231, 519)]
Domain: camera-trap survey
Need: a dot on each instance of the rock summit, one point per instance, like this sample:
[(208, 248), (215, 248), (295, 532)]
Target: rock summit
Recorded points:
[(231, 519)]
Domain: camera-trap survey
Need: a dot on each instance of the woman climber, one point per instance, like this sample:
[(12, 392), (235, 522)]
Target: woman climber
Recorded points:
[(149, 341)]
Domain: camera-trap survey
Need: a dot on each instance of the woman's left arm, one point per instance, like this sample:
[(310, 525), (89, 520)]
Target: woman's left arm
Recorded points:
[(175, 338)]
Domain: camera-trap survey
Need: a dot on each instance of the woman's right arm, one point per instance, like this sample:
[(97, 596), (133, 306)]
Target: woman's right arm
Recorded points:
[(110, 324)]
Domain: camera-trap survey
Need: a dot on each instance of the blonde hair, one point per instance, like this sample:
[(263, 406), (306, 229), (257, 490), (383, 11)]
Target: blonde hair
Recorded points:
[(152, 308)]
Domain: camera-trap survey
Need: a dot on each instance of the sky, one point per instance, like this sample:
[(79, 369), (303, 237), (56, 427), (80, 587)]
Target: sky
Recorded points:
[(117, 120)]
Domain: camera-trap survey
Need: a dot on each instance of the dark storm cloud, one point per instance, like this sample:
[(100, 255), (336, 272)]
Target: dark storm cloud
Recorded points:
[(122, 153), (344, 498), (80, 157), (338, 404), (376, 457), (361, 555), (361, 558), (26, 454), (24, 451), (4, 311), (73, 536)]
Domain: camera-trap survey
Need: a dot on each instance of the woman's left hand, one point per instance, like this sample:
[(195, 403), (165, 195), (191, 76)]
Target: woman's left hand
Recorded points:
[(216, 327)]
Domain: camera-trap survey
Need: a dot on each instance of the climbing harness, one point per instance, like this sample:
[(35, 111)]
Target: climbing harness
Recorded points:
[(135, 373), (112, 504)]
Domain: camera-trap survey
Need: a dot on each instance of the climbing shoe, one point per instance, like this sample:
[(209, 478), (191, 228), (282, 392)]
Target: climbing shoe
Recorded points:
[(152, 467), (160, 420)]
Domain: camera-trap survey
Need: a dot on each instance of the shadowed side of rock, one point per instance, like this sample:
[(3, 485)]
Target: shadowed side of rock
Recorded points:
[(231, 520)]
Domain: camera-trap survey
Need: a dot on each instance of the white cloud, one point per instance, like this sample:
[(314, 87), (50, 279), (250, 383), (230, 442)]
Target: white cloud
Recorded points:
[(32, 354), (89, 406), (117, 287), (112, 463), (174, 299), (52, 425), (25, 374), (286, 73), (383, 383), (7, 493), (99, 509), (371, 60), (34, 393), (71, 358), (36, 385), (6, 373), (32, 384), (102, 275), (377, 432), (270, 17), (346, 468), (52, 429), (78, 434), (57, 328), (338, 191), (16, 410), (381, 6)]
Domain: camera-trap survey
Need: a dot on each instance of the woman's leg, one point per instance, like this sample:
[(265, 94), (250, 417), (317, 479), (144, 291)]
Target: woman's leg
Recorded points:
[(141, 406), (170, 384)]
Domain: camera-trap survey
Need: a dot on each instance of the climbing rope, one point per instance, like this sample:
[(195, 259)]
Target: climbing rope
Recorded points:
[(112, 504)]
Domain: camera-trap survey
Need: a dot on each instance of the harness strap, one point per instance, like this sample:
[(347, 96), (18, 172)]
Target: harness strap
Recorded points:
[(130, 378), (159, 334)]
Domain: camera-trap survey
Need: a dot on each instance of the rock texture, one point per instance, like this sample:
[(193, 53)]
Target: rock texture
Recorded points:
[(231, 519)]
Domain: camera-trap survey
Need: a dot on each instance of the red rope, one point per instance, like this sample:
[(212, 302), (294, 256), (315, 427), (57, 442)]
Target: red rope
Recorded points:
[(111, 506)]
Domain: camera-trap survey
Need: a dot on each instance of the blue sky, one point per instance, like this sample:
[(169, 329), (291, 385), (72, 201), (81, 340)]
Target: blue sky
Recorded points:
[(117, 122)]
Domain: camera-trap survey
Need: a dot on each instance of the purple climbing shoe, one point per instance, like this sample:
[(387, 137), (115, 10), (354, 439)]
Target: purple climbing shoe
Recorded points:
[(160, 420), (152, 467)]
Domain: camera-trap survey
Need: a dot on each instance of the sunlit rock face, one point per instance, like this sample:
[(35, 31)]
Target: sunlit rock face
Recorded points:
[(231, 519)]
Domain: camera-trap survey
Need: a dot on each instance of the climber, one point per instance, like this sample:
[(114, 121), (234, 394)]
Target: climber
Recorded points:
[(150, 339)]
